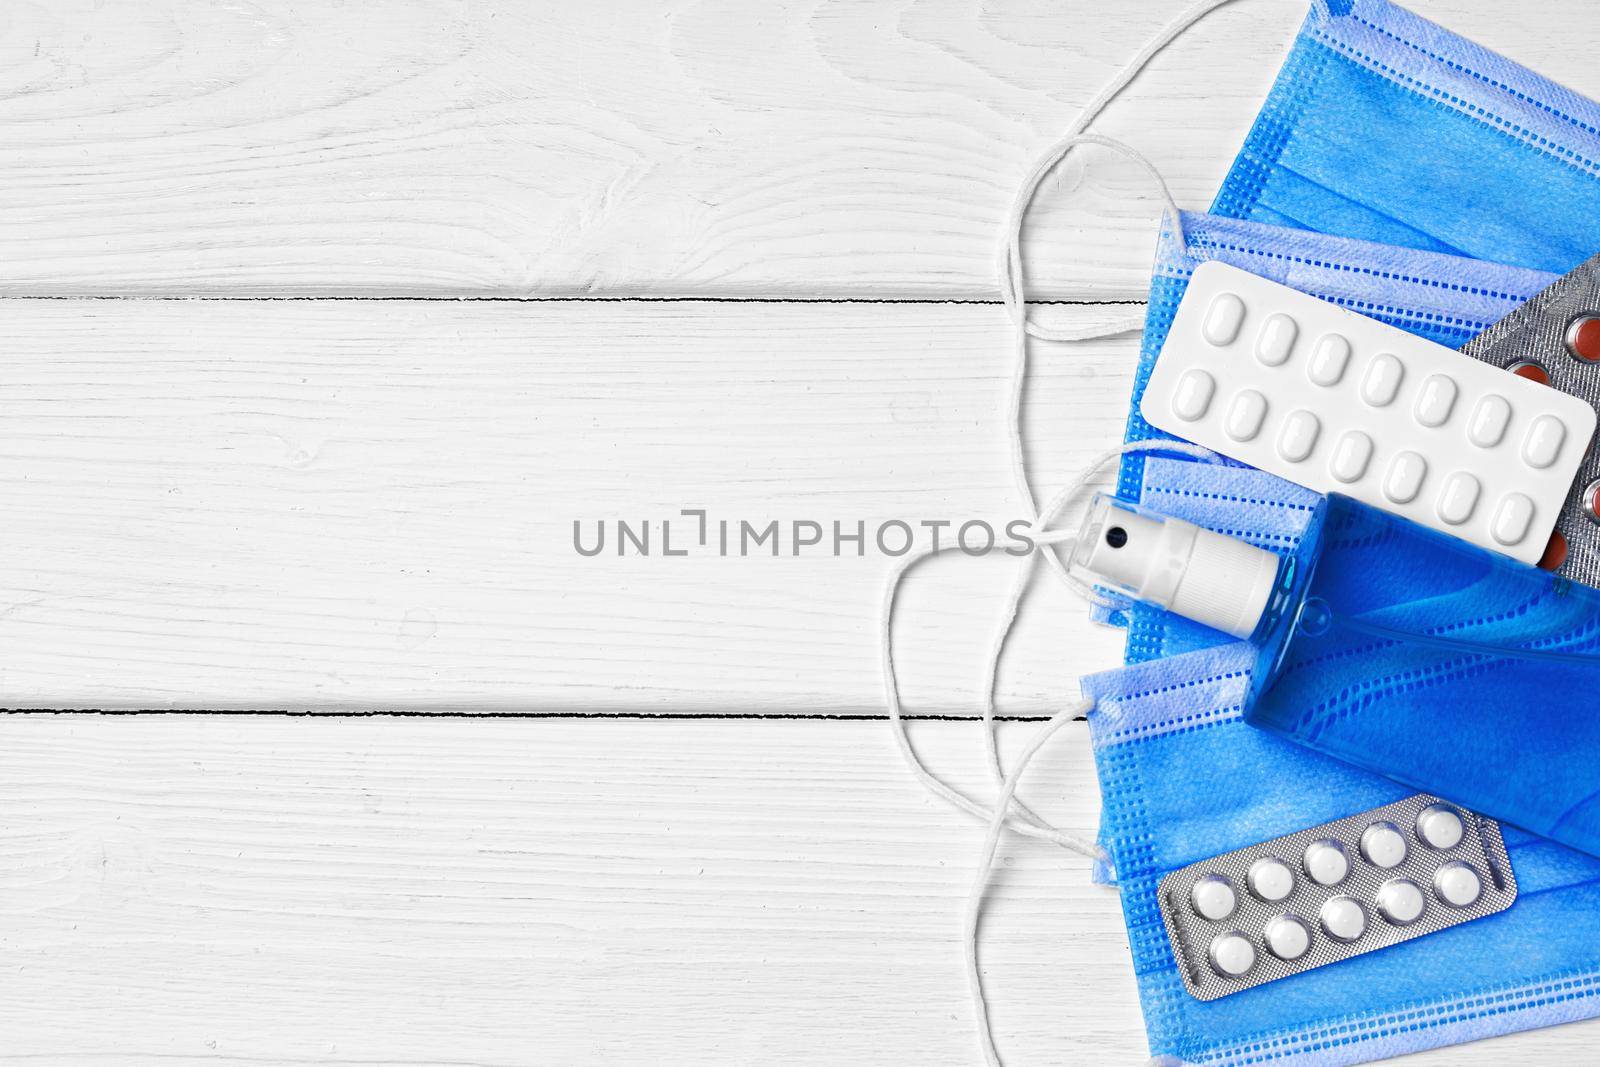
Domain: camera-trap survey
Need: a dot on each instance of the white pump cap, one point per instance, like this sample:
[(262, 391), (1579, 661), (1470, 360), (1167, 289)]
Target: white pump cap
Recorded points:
[(1216, 580)]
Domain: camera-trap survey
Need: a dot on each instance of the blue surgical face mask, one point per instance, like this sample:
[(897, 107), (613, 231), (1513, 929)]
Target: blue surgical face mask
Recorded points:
[(1386, 127), (1184, 778), (1383, 128)]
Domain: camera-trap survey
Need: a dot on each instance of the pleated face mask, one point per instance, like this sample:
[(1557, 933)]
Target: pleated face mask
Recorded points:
[(1386, 127), (1184, 778), (1460, 185)]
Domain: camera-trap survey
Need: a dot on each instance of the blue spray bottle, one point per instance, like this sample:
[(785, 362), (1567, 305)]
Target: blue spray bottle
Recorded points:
[(1399, 649)]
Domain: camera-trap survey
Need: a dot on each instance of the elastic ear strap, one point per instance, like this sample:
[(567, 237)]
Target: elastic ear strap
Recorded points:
[(1007, 812), (980, 883), (1029, 825), (1046, 542), (932, 782), (1012, 282), (1013, 291), (1012, 272)]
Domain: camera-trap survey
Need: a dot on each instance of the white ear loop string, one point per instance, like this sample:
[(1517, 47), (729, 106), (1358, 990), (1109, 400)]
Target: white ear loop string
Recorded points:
[(932, 782), (1008, 812), (1013, 291), (1045, 542), (1049, 543), (980, 882)]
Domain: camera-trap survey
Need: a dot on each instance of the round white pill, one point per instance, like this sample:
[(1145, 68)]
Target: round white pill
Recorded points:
[(1383, 845), (1400, 900), (1287, 937), (1271, 879), (1213, 897), (1440, 827), (1326, 862), (1457, 884), (1343, 918), (1232, 955)]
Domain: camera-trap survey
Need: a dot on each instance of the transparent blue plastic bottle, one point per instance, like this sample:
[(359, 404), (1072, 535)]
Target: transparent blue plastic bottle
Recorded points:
[(1416, 655)]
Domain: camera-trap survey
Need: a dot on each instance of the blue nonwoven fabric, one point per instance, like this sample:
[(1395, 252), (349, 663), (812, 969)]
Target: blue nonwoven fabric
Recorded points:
[(1185, 778), (1384, 126), (1461, 183)]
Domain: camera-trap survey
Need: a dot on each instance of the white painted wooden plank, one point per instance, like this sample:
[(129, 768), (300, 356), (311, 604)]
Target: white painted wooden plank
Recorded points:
[(257, 889), (656, 147), (350, 504)]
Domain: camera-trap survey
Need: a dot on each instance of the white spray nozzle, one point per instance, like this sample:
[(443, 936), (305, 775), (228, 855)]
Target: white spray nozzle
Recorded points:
[(1216, 580)]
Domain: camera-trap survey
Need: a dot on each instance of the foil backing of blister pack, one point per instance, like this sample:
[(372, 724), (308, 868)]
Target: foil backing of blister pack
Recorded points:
[(1533, 339), (1191, 936)]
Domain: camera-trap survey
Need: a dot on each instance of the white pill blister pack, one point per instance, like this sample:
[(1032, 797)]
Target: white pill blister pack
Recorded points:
[(1330, 892), (1338, 402)]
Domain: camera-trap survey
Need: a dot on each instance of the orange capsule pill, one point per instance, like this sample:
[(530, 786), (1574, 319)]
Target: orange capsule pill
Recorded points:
[(1583, 338), (1555, 552), (1591, 500), (1530, 370)]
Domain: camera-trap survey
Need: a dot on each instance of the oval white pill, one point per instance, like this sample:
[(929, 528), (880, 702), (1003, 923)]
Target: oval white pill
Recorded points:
[(1383, 845), (1326, 863), (1489, 421), (1193, 395), (1440, 826), (1457, 884), (1287, 937), (1213, 897), (1511, 519), (1232, 955), (1382, 380), (1298, 436), (1351, 456), (1223, 319), (1436, 399), (1400, 901), (1270, 879), (1458, 498), (1343, 918), (1404, 480), (1544, 440), (1245, 415), (1276, 339), (1328, 359)]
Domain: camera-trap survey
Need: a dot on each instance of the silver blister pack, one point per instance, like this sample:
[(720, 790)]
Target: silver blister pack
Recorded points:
[(1555, 338), (1282, 907)]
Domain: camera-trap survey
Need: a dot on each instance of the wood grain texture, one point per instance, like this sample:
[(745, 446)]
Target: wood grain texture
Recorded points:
[(342, 505), (230, 890), (634, 147), (348, 505)]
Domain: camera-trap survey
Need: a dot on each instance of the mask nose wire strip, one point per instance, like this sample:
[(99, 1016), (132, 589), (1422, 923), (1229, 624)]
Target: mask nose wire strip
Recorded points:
[(1013, 287)]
